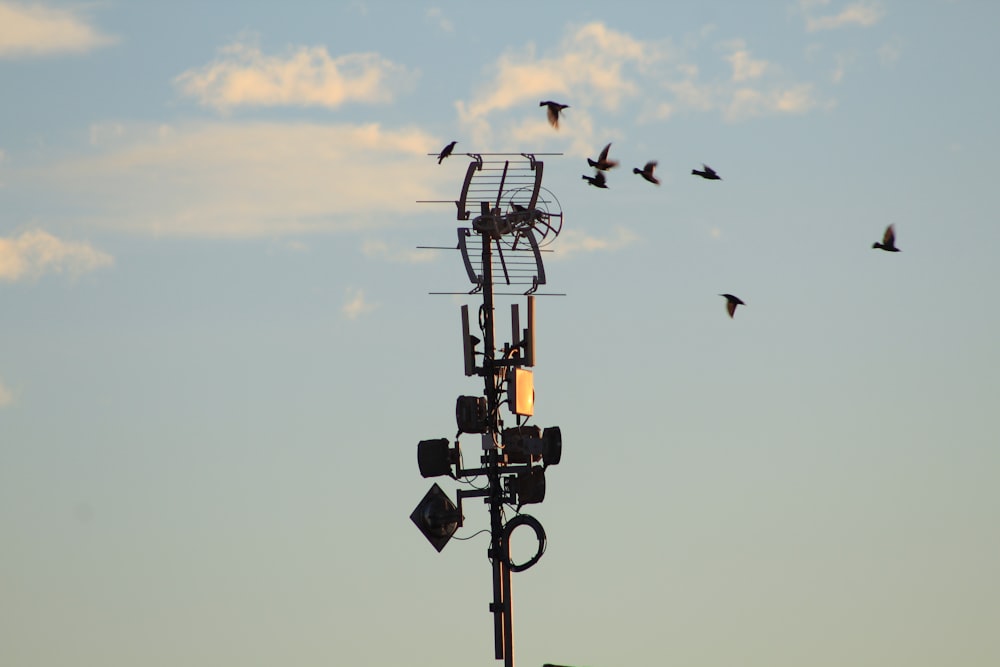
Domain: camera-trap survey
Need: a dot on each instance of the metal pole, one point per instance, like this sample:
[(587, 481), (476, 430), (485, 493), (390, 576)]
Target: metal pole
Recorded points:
[(508, 621), (503, 627), (492, 463)]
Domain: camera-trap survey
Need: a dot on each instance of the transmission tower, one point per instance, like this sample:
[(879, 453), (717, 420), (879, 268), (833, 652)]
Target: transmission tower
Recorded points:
[(501, 246)]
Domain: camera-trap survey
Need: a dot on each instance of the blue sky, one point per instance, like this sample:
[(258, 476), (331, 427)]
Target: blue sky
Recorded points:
[(219, 351)]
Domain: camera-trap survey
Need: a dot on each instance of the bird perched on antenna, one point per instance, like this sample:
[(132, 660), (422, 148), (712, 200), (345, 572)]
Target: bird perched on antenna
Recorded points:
[(446, 151), (603, 163), (535, 214), (597, 180), (731, 303), (708, 173), (554, 109), (647, 172), (888, 240)]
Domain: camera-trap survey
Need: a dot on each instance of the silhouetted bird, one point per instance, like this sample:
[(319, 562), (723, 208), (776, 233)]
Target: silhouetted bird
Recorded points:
[(597, 180), (603, 163), (888, 241), (535, 215), (446, 151), (647, 172), (554, 109), (709, 173), (731, 303)]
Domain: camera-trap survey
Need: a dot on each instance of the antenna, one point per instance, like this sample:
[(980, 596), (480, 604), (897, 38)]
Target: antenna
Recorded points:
[(517, 219), (468, 344), (529, 333)]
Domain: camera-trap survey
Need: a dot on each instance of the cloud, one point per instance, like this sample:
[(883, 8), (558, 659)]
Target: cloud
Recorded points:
[(435, 15), (888, 53), (254, 179), (589, 63), (593, 64), (598, 68), (356, 306), (6, 395), (744, 67), (842, 61), (864, 14), (34, 30), (574, 241), (35, 253), (749, 102), (308, 76), (376, 249)]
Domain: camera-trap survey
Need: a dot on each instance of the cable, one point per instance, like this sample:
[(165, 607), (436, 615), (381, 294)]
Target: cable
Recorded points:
[(525, 520), (456, 537), (468, 480)]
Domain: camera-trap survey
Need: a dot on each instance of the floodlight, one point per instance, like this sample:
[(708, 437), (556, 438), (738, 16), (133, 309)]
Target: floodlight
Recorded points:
[(435, 458), (529, 486), (436, 517), (522, 444), (551, 446)]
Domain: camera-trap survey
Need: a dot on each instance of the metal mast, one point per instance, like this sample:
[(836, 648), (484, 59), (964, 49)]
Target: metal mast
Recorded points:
[(514, 224)]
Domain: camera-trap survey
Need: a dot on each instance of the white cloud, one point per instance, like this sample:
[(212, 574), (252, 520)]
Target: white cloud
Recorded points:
[(598, 68), (35, 253), (574, 241), (376, 249), (594, 64), (842, 61), (6, 395), (749, 102), (261, 179), (35, 30), (745, 67), (888, 53), (356, 306), (864, 14), (435, 15), (296, 246), (308, 76)]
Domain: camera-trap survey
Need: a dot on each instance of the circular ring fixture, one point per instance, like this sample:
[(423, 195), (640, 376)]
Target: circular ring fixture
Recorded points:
[(508, 529)]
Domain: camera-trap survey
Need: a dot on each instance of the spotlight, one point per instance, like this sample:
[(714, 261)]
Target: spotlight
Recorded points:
[(529, 486), (551, 446), (436, 517), (435, 458), (522, 444)]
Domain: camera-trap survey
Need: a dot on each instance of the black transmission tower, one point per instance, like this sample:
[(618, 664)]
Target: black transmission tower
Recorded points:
[(501, 246)]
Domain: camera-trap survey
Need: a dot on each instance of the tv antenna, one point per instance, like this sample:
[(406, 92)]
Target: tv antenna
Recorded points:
[(503, 244)]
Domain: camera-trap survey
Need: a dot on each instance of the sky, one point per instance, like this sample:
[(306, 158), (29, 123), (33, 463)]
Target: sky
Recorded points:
[(219, 349)]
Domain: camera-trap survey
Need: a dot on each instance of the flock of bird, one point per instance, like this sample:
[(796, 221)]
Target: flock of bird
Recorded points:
[(603, 163)]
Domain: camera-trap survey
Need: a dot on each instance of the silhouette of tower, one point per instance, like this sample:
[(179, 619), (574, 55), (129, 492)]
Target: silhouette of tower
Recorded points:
[(501, 246)]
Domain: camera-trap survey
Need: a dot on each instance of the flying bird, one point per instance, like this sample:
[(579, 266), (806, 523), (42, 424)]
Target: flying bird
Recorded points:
[(554, 108), (597, 180), (446, 151), (731, 303), (647, 172), (603, 163), (888, 241), (708, 173)]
